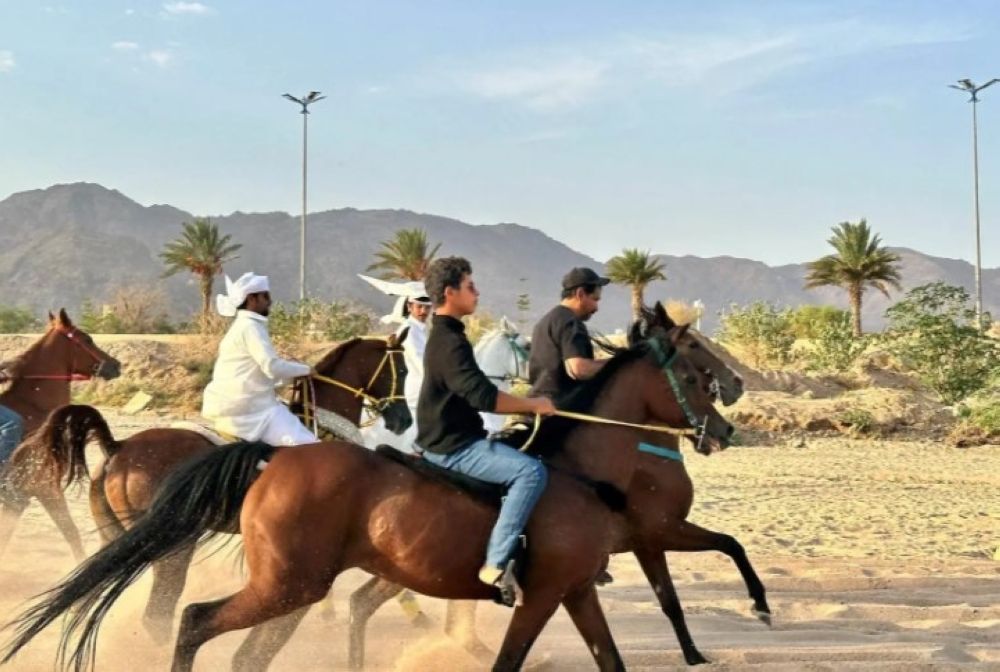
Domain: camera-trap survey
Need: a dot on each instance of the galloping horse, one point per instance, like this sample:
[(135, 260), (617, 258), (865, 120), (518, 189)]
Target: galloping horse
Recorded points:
[(134, 468), (314, 512), (41, 379), (659, 500)]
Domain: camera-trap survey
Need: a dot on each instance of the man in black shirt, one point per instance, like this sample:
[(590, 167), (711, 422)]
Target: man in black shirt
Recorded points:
[(450, 429), (561, 350)]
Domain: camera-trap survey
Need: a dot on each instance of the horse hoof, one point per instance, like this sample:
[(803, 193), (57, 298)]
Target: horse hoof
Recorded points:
[(422, 622), (763, 615), (694, 657)]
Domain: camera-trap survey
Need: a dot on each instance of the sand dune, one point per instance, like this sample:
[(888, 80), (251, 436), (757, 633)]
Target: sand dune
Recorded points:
[(876, 556)]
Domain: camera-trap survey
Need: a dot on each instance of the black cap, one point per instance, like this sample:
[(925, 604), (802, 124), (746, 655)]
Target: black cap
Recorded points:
[(580, 277)]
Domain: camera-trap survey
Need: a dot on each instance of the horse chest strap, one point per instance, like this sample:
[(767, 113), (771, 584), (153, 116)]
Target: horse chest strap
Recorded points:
[(660, 451)]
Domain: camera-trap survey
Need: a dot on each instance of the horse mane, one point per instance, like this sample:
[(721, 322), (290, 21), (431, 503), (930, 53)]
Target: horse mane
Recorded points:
[(334, 357), (14, 366)]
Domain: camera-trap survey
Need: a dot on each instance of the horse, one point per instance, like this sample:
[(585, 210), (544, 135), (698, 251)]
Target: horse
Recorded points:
[(41, 378), (355, 371), (315, 511), (659, 500)]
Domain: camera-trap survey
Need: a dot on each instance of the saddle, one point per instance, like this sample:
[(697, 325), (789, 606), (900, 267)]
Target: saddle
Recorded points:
[(488, 493)]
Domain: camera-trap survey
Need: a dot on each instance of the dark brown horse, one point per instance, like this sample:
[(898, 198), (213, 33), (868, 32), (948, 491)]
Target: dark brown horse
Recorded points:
[(41, 379), (135, 467), (659, 500), (315, 511)]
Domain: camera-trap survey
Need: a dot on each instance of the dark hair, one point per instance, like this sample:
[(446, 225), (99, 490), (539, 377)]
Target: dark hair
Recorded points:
[(569, 292), (443, 273)]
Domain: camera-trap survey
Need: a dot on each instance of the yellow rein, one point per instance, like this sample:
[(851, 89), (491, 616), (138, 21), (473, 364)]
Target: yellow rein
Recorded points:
[(585, 417), (376, 402)]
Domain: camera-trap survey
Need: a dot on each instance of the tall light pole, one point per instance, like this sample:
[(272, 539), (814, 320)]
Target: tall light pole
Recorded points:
[(967, 86), (305, 102)]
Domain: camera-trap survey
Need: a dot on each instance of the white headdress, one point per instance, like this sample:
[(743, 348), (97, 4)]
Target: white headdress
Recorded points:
[(237, 292), (406, 291)]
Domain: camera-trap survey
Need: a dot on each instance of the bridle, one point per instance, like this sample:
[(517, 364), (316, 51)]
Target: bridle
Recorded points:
[(374, 405), (520, 362), (73, 335)]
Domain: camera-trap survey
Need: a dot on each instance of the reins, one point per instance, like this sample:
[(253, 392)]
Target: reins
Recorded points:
[(70, 335)]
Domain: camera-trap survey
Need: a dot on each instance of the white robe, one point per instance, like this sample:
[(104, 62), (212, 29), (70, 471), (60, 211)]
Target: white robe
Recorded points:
[(241, 398)]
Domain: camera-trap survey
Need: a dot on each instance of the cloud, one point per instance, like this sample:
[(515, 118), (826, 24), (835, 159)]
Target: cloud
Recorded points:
[(549, 86), (124, 45), (161, 57), (727, 60), (6, 60), (192, 8)]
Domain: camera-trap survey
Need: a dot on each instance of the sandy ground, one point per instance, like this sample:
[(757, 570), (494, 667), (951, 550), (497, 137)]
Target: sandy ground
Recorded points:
[(876, 556)]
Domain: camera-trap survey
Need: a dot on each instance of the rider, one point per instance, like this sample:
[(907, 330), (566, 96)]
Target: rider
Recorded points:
[(241, 398), (411, 312), (451, 432), (11, 423), (562, 353)]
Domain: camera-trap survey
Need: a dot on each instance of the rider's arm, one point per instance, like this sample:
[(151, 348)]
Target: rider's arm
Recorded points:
[(274, 367), (508, 403), (582, 368)]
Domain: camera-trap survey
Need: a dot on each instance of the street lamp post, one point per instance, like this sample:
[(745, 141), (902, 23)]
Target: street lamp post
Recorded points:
[(305, 102), (967, 86)]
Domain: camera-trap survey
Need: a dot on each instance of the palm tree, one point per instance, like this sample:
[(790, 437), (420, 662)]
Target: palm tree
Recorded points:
[(405, 256), (860, 262), (635, 268), (202, 251)]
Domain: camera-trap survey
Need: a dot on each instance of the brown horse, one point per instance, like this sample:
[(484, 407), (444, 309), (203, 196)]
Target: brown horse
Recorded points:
[(314, 512), (659, 500), (41, 379), (134, 468)]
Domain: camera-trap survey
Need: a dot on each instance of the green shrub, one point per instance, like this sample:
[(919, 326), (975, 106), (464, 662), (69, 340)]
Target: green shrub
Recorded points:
[(761, 331), (932, 331), (834, 346), (857, 421), (18, 321), (312, 319), (809, 322)]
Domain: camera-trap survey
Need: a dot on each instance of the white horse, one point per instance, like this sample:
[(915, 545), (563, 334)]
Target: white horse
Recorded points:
[(502, 354)]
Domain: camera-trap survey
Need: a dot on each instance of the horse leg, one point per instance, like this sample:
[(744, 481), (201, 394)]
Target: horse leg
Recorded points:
[(525, 625), (460, 625), (108, 525), (169, 576), (256, 603), (688, 537), (654, 565), (265, 641), (8, 523), (365, 601), (588, 617), (54, 502)]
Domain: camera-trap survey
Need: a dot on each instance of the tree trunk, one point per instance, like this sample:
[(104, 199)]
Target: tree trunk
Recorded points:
[(637, 302), (855, 295), (206, 282)]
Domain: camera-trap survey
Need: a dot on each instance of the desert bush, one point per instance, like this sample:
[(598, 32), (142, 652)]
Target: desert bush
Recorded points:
[(134, 310), (856, 420), (932, 332), (312, 319), (682, 312), (834, 347), (14, 320), (809, 321), (761, 331), (478, 324)]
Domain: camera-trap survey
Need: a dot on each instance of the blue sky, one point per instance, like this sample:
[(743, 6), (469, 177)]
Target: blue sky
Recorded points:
[(735, 128)]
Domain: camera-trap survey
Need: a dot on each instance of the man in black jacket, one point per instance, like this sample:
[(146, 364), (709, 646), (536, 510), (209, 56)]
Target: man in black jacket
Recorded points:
[(450, 429)]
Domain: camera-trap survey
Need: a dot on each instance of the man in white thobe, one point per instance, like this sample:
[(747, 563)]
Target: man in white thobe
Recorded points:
[(241, 399)]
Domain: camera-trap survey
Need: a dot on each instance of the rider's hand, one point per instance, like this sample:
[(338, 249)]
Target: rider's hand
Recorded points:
[(542, 406)]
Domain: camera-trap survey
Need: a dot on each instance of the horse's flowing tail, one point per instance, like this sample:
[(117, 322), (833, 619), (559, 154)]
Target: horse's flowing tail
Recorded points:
[(64, 437), (201, 498)]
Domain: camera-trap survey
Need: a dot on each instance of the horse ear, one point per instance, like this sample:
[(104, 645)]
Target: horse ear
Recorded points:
[(677, 333), (64, 318), (52, 318), (661, 316)]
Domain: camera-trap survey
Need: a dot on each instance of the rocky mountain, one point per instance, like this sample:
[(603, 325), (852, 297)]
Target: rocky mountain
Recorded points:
[(69, 243)]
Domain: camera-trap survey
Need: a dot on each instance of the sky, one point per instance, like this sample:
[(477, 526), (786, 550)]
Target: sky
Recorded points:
[(703, 128)]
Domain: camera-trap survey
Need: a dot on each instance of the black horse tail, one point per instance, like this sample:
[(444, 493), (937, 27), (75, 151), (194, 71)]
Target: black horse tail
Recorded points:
[(200, 499)]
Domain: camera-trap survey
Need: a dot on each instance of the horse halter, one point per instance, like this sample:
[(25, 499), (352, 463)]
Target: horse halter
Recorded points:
[(665, 362), (72, 334)]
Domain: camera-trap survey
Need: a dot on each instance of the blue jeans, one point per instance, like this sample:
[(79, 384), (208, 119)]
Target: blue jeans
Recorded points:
[(11, 431), (525, 478)]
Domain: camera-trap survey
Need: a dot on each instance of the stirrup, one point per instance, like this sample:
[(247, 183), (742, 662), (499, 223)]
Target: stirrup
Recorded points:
[(511, 594)]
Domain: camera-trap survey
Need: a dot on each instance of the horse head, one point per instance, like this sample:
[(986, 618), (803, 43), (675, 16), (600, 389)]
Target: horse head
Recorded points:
[(67, 348)]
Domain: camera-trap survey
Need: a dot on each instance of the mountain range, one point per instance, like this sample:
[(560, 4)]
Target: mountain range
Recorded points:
[(69, 243)]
